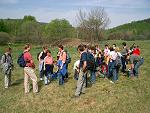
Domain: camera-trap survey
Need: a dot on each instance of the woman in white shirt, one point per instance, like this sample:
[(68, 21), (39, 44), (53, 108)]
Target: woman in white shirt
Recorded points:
[(112, 69)]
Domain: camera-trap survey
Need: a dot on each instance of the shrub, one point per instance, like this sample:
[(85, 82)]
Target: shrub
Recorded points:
[(4, 38)]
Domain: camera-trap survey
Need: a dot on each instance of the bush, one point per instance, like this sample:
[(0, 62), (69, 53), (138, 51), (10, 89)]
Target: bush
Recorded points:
[(4, 38)]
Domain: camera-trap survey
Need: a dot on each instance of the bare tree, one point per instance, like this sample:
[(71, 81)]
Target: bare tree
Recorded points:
[(92, 23)]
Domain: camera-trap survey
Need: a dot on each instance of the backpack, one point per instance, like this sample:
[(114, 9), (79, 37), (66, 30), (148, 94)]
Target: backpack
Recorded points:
[(90, 61), (68, 60), (118, 61), (21, 61), (37, 56)]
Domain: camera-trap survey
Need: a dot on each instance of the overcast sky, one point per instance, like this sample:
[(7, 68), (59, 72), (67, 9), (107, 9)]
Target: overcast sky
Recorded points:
[(119, 11)]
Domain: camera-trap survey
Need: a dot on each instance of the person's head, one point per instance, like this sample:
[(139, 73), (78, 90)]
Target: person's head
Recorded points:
[(60, 47), (92, 48), (45, 48), (114, 46), (96, 46), (117, 49), (9, 50), (81, 48), (124, 44), (111, 49), (48, 53), (27, 47), (106, 45)]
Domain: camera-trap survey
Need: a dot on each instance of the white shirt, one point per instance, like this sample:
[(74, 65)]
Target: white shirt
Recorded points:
[(112, 55), (76, 65), (106, 51)]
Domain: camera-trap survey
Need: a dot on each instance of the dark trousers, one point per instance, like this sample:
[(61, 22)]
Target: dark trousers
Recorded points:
[(135, 70), (123, 59)]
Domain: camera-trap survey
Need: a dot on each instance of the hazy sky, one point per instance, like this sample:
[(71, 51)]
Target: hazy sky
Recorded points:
[(119, 11)]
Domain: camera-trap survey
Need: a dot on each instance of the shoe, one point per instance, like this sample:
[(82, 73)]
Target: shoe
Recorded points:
[(41, 79), (36, 92), (83, 93), (75, 96), (112, 82)]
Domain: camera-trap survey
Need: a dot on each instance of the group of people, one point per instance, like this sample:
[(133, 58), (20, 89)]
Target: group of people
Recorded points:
[(93, 62), (107, 64)]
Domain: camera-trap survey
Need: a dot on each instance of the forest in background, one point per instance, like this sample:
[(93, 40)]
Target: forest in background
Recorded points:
[(30, 30)]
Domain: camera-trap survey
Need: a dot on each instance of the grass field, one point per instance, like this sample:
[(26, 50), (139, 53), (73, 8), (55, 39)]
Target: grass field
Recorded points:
[(126, 96)]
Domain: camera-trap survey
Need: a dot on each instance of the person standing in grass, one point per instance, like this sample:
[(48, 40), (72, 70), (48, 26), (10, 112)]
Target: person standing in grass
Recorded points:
[(136, 61), (124, 54), (29, 70), (48, 67), (7, 66), (106, 53), (112, 70), (61, 63), (92, 71), (41, 57), (81, 83)]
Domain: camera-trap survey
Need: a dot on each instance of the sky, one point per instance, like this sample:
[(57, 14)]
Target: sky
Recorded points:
[(118, 11)]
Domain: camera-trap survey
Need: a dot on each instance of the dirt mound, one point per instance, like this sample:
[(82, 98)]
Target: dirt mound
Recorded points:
[(69, 42)]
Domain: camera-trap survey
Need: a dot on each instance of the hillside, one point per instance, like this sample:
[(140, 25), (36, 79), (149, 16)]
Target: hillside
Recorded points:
[(30, 30), (130, 31)]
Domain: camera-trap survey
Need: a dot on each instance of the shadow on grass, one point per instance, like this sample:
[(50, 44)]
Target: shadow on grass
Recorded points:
[(17, 82), (40, 84)]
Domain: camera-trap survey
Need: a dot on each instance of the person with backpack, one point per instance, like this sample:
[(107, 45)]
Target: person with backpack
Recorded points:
[(48, 67), (112, 69), (91, 64), (41, 57), (81, 82), (61, 63), (7, 67), (68, 61), (29, 70)]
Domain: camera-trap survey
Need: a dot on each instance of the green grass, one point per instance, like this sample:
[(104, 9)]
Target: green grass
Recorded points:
[(126, 96)]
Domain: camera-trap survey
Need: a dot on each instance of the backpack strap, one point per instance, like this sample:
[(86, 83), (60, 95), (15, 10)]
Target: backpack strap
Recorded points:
[(5, 58)]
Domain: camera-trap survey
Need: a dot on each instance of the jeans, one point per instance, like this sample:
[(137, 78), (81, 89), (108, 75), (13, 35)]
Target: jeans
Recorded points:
[(61, 78), (123, 59), (110, 69), (113, 71), (41, 69), (66, 76), (135, 70), (115, 74), (92, 76), (48, 77)]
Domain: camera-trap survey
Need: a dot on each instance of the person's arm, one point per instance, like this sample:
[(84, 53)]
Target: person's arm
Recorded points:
[(30, 60), (40, 57), (84, 66)]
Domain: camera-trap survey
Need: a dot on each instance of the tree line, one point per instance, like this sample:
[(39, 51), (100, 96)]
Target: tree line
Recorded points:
[(90, 26)]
